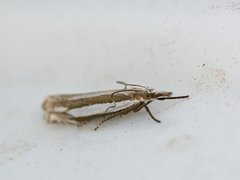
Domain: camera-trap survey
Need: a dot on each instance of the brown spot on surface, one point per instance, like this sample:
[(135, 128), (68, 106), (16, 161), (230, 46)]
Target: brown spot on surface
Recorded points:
[(179, 143), (10, 151), (210, 80)]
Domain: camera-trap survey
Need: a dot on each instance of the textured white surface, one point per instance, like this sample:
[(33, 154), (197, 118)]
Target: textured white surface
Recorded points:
[(188, 47)]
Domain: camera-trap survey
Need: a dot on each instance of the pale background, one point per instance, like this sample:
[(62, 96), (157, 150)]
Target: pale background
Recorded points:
[(187, 47)]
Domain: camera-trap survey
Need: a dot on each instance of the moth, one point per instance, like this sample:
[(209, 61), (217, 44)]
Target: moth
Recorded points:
[(132, 98)]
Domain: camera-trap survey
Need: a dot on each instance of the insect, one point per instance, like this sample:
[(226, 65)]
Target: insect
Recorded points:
[(133, 98)]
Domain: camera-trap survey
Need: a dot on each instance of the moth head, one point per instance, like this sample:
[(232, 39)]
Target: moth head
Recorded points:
[(151, 95)]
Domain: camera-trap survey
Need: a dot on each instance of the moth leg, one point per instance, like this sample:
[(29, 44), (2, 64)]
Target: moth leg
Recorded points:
[(128, 84), (149, 112), (123, 90), (110, 107), (110, 117), (123, 83), (140, 105), (114, 114), (144, 105), (62, 117)]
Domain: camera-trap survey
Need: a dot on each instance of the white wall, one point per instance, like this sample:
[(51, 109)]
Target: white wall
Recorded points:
[(187, 47)]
